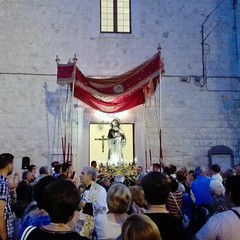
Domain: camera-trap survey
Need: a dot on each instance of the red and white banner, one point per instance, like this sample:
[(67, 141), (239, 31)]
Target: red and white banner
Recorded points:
[(119, 93)]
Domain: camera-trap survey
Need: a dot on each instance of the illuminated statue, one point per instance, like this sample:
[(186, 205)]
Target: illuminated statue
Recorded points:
[(116, 141)]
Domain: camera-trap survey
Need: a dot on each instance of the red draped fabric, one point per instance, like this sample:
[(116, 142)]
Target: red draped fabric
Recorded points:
[(118, 93), (65, 73)]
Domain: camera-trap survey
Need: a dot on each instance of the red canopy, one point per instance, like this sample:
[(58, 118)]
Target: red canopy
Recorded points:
[(118, 93)]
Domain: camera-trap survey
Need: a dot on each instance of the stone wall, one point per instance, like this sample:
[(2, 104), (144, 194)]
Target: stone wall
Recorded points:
[(193, 115)]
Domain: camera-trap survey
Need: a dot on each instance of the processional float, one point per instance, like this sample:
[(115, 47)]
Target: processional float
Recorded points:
[(109, 95)]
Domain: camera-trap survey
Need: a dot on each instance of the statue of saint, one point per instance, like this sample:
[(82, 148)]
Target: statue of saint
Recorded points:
[(116, 141)]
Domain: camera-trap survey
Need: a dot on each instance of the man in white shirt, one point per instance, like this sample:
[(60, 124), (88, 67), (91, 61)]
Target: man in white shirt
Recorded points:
[(93, 201), (225, 225)]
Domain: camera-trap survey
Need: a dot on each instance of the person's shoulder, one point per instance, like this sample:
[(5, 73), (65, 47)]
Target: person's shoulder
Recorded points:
[(3, 190), (142, 175), (30, 233), (39, 220), (169, 224), (221, 218), (207, 178), (74, 236), (166, 217), (217, 177), (220, 215), (178, 194), (194, 183), (101, 218), (159, 215), (169, 217), (22, 183), (98, 187), (2, 181)]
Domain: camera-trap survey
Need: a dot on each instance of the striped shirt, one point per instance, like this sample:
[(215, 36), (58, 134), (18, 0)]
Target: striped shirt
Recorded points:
[(172, 206), (5, 196)]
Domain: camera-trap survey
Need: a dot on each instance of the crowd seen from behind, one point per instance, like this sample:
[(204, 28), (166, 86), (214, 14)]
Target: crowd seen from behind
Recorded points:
[(164, 203)]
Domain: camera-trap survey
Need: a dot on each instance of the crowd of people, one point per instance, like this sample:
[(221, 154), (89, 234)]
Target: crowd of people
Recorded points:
[(164, 203)]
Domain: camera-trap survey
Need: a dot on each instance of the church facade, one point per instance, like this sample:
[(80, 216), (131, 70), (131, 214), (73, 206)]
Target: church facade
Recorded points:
[(195, 107)]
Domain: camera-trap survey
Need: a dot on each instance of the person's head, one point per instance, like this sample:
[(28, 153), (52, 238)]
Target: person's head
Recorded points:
[(88, 175), (57, 168), (27, 176), (137, 195), (6, 164), (139, 170), (39, 188), (174, 185), (118, 198), (184, 169), (191, 176), (119, 179), (215, 168), (32, 168), (156, 188), (156, 167), (237, 169), (65, 168), (105, 182), (43, 170), (181, 176), (61, 200), (233, 189), (139, 227), (200, 171), (94, 164), (169, 170), (229, 172), (216, 187), (54, 163)]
